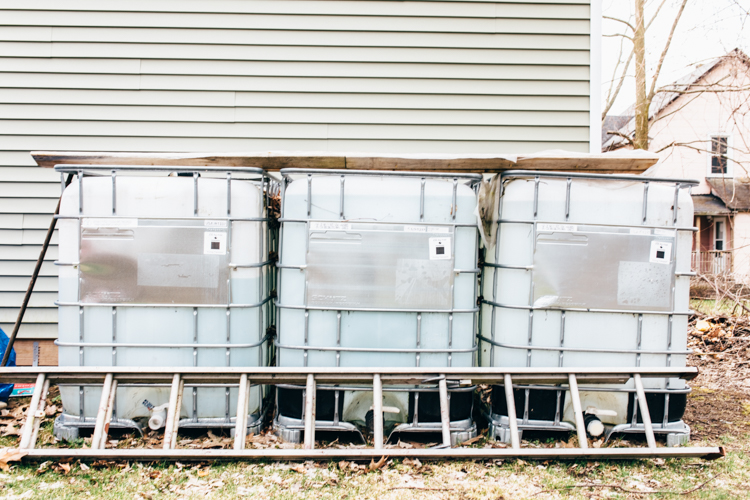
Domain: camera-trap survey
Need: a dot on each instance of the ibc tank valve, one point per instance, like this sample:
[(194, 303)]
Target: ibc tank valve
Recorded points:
[(158, 417), (594, 425)]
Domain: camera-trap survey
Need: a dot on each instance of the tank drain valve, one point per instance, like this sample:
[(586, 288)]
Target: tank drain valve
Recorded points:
[(594, 425), (158, 417), (370, 416)]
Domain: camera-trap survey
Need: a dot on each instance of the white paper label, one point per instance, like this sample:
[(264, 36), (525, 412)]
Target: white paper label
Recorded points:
[(559, 228), (664, 232), (440, 248), (640, 230), (427, 229), (108, 222), (215, 243), (661, 252), (330, 226), (215, 223)]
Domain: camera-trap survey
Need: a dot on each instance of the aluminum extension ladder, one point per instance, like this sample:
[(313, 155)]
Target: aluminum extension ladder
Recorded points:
[(109, 377)]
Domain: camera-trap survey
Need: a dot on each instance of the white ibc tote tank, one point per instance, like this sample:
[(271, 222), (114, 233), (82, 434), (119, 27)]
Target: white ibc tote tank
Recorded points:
[(377, 269), (589, 271), (161, 270)]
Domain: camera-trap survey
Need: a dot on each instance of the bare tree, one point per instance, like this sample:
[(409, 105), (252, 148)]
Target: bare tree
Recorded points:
[(636, 32)]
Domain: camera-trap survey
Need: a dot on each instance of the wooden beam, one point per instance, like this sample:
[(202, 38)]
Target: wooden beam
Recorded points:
[(622, 161)]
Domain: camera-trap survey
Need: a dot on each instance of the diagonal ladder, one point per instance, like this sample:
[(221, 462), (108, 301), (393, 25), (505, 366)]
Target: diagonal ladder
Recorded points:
[(310, 377)]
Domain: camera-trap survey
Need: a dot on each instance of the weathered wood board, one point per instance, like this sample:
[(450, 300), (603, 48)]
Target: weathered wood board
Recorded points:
[(618, 161)]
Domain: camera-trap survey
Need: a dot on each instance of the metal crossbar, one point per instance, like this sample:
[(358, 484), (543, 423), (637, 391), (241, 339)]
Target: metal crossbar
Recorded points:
[(110, 377)]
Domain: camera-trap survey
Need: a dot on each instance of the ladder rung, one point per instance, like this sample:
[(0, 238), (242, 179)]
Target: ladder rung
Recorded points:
[(28, 428), (240, 425), (101, 413), (377, 411), (510, 403), (110, 411), (310, 412), (645, 415), (580, 425), (42, 406), (170, 429), (445, 413)]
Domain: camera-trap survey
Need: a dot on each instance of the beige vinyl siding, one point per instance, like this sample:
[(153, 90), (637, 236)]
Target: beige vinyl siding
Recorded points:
[(437, 76)]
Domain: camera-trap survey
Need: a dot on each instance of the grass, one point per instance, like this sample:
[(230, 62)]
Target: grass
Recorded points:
[(512, 479), (722, 307)]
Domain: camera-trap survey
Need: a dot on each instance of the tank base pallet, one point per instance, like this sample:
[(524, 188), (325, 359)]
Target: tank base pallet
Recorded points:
[(109, 377), (292, 430), (68, 427), (676, 433)]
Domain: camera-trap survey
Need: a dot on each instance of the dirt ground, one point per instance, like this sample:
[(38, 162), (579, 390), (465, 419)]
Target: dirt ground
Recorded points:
[(719, 404)]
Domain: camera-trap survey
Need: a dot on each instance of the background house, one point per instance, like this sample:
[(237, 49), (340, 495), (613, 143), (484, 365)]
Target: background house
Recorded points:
[(460, 76), (701, 130)]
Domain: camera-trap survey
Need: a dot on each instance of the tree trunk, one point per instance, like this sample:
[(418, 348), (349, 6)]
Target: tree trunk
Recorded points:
[(641, 102)]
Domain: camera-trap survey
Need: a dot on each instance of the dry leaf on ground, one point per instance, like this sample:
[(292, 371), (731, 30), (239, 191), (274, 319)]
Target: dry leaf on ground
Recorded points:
[(10, 455)]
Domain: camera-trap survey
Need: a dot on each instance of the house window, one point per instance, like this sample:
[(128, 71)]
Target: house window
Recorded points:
[(719, 155), (719, 235)]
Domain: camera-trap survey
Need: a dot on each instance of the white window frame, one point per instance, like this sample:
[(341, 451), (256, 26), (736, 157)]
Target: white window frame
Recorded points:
[(709, 156), (724, 224)]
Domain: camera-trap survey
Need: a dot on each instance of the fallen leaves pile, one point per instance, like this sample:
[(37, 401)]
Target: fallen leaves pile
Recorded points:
[(714, 334), (720, 336), (721, 349)]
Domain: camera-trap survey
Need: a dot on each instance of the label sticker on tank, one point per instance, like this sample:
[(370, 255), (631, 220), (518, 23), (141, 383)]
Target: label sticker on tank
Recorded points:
[(440, 248), (108, 222), (215, 243), (559, 228), (215, 223), (427, 229), (661, 252), (664, 232), (330, 226), (640, 230)]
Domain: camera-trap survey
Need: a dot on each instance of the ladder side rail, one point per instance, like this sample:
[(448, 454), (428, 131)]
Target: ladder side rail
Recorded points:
[(101, 413)]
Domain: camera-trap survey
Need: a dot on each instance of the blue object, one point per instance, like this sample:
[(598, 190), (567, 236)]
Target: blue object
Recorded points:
[(6, 389)]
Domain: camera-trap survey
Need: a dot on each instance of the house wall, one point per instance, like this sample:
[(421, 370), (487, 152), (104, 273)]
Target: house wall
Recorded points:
[(197, 75), (691, 120), (742, 247)]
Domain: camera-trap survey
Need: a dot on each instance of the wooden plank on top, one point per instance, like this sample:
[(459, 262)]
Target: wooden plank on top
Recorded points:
[(611, 162)]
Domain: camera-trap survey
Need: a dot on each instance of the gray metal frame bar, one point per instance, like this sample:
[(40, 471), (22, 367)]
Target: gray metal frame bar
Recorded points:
[(288, 172), (580, 349), (582, 175)]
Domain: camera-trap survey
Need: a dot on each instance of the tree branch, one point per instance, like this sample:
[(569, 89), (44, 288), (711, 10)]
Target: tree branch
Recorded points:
[(655, 14), (619, 21), (620, 134), (623, 35), (703, 90), (664, 52), (613, 97)]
